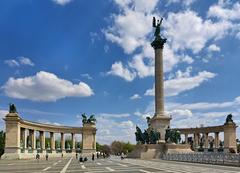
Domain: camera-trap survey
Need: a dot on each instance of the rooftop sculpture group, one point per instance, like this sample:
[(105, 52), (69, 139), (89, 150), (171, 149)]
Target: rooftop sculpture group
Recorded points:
[(90, 120)]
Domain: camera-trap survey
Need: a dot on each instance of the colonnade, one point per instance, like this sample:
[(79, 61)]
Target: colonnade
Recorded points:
[(28, 141), (21, 137), (201, 136)]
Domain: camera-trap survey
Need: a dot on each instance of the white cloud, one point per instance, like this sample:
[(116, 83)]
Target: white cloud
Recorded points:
[(25, 61), (62, 2), (180, 113), (12, 63), (183, 82), (19, 61), (203, 106), (135, 96), (187, 30), (118, 70), (225, 10), (213, 48), (45, 86)]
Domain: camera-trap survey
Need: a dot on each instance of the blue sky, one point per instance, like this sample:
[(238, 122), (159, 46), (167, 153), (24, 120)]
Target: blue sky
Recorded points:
[(60, 58)]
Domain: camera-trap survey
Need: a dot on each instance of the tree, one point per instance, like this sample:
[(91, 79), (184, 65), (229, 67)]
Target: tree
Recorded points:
[(2, 142), (127, 147), (116, 147), (106, 149), (98, 147)]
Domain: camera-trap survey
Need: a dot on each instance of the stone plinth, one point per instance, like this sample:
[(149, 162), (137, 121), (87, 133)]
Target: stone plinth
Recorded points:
[(230, 136), (13, 133), (156, 151), (89, 138), (160, 124)]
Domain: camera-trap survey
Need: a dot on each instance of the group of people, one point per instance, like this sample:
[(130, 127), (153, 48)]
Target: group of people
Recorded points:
[(97, 155), (38, 156)]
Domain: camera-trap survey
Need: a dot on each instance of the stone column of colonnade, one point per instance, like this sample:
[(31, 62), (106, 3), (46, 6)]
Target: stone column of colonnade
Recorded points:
[(73, 142), (32, 137), (63, 143), (186, 138), (206, 141), (42, 141), (52, 140), (216, 141)]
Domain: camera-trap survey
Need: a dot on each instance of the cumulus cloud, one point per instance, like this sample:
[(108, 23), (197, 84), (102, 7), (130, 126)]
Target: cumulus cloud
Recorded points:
[(62, 2), (213, 48), (187, 30), (225, 10), (135, 96), (118, 70), (44, 86), (183, 82)]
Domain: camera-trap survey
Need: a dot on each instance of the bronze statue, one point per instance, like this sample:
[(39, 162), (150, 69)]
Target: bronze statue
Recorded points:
[(157, 26), (12, 108), (229, 119), (148, 121), (90, 120)]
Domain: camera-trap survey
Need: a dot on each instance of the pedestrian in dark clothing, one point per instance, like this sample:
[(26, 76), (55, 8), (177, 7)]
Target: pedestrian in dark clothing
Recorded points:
[(62, 154), (76, 155), (93, 156), (47, 156)]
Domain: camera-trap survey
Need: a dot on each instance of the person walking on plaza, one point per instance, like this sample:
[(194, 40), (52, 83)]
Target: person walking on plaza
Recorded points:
[(47, 156), (37, 157), (93, 156), (62, 154)]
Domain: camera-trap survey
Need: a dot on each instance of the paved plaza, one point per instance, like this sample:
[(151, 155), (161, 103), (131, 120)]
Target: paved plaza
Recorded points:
[(110, 165)]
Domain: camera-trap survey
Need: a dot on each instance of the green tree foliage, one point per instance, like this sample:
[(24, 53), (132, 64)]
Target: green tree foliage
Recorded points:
[(118, 147), (2, 142), (98, 147)]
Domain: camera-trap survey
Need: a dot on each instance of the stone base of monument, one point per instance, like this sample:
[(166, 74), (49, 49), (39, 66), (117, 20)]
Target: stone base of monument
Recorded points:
[(156, 151)]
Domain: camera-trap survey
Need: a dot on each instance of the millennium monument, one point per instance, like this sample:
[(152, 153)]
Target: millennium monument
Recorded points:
[(21, 139), (160, 121), (159, 139)]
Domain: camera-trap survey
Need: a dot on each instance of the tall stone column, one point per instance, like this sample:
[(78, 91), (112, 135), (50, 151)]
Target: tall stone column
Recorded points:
[(52, 138), (73, 142), (62, 142), (42, 140), (160, 120)]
